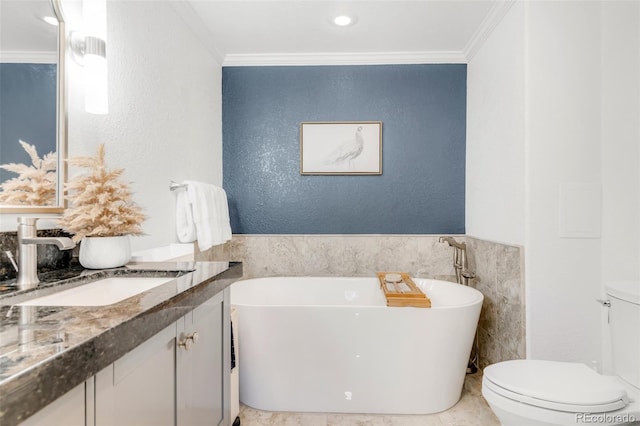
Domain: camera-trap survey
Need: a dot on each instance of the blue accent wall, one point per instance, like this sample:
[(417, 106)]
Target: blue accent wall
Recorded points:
[(422, 187), (27, 111)]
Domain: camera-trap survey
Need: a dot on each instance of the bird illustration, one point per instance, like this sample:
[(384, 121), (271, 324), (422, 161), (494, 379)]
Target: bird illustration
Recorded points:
[(348, 150)]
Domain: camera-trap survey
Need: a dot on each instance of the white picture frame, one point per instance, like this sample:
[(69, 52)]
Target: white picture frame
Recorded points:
[(341, 148)]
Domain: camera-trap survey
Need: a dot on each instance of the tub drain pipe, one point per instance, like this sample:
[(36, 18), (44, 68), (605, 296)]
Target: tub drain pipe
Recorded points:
[(472, 366)]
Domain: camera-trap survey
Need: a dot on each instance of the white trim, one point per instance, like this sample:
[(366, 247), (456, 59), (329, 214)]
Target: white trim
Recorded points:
[(29, 57), (486, 28), (359, 58), (185, 11)]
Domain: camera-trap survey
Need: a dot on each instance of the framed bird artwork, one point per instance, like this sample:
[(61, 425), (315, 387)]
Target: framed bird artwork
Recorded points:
[(341, 148)]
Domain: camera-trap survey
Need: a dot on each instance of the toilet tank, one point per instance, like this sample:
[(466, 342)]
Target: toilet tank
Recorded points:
[(624, 324)]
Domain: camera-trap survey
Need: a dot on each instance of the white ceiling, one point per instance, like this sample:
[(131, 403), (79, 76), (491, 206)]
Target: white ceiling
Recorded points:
[(22, 29), (301, 31), (267, 32)]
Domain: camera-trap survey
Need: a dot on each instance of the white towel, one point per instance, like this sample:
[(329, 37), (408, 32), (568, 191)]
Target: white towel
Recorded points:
[(210, 214), (185, 227)]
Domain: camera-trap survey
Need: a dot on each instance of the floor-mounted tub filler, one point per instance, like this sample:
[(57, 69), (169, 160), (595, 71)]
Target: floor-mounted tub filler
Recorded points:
[(330, 344)]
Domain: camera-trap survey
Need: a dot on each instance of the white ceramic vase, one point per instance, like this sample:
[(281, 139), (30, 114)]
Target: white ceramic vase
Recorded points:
[(105, 252)]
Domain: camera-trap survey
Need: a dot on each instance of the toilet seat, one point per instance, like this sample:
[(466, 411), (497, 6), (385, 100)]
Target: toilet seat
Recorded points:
[(560, 386)]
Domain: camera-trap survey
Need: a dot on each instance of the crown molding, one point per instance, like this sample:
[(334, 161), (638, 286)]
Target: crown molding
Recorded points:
[(359, 58), (185, 11), (486, 28), (29, 57)]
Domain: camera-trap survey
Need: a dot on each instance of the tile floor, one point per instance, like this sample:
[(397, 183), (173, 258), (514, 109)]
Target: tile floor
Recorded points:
[(471, 410)]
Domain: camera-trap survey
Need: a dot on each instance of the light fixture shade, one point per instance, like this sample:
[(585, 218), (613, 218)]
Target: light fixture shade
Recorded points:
[(96, 97)]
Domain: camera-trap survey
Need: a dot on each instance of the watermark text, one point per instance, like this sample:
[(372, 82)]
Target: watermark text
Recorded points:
[(599, 418)]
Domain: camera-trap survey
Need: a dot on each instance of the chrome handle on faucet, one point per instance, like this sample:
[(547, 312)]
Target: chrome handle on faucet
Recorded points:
[(11, 259)]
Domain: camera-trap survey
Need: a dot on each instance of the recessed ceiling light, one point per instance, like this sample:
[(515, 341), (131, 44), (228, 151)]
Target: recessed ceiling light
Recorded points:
[(50, 20), (343, 20)]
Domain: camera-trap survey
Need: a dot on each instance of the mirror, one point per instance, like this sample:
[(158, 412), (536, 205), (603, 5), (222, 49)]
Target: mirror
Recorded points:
[(33, 106)]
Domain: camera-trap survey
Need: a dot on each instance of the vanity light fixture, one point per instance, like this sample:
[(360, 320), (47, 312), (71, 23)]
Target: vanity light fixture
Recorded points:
[(90, 50)]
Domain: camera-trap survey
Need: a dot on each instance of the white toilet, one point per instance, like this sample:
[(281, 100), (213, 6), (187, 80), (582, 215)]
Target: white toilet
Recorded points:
[(531, 392)]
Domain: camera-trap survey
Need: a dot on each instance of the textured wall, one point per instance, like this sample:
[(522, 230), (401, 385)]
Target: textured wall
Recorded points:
[(495, 171), (540, 118), (620, 149), (422, 187), (564, 145), (165, 111), (27, 111)]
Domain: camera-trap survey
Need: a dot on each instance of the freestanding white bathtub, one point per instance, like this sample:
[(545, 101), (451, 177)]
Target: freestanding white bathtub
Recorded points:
[(328, 344)]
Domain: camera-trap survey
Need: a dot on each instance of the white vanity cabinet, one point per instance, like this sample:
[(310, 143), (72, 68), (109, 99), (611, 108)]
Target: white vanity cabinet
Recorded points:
[(202, 370), (178, 377), (162, 358), (68, 410), (140, 388)]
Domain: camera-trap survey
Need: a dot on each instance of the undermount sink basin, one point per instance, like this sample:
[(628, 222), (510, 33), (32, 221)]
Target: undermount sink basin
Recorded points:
[(106, 291)]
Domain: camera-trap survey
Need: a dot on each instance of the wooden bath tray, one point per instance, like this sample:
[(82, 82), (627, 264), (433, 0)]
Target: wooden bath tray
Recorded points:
[(411, 296)]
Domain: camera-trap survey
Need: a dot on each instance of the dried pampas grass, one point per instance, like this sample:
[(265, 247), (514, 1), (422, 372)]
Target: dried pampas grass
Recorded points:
[(100, 204), (35, 184)]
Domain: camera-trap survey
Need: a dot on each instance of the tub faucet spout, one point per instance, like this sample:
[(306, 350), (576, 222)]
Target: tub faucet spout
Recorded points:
[(453, 243), (460, 264)]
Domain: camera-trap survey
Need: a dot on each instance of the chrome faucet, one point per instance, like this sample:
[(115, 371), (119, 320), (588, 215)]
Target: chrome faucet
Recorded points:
[(463, 275), (28, 253), (453, 243), (460, 264)]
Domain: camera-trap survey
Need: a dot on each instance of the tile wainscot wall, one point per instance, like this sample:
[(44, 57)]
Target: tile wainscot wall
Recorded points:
[(499, 273), (498, 268)]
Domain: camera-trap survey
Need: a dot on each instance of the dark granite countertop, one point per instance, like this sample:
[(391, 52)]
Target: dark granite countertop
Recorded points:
[(62, 347)]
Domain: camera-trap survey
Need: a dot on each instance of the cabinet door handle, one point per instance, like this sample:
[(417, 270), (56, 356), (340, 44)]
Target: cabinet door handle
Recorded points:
[(186, 343), (189, 341)]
